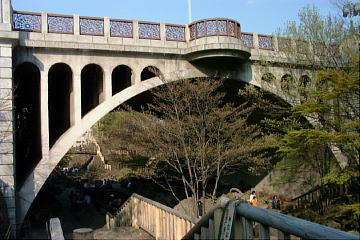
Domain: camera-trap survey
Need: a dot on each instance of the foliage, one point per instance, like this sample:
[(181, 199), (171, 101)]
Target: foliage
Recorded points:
[(332, 99), (192, 137)]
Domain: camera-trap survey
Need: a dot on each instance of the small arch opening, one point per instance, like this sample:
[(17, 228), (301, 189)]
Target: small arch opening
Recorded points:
[(120, 78), (268, 77), (286, 82), (303, 83), (59, 103), (150, 72), (92, 78)]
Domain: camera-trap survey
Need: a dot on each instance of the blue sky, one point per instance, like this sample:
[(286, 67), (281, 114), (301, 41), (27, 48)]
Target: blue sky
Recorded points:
[(261, 16)]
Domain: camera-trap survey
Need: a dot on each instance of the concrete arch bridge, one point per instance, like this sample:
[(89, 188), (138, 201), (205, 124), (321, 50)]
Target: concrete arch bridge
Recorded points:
[(60, 74)]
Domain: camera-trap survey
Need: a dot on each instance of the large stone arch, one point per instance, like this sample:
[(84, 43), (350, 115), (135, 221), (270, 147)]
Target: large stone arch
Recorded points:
[(34, 182), (27, 119), (59, 102)]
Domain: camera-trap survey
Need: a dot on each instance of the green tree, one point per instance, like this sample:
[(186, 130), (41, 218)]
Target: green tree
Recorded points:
[(331, 102)]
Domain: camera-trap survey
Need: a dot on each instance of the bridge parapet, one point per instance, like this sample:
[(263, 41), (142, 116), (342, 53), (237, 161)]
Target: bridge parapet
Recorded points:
[(46, 30)]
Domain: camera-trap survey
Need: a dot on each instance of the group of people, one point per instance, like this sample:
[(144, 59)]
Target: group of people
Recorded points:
[(275, 203)]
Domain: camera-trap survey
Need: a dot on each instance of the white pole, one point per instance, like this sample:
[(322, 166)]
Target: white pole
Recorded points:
[(189, 10)]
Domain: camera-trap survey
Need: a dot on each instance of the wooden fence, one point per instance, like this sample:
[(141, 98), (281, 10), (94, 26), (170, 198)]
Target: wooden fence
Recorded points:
[(158, 220)]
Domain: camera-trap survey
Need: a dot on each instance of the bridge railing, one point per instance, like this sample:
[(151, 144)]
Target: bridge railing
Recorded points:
[(158, 220), (240, 220), (214, 27), (120, 28)]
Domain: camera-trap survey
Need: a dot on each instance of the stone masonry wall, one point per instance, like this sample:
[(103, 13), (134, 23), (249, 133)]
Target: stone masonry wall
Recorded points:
[(7, 183), (6, 130)]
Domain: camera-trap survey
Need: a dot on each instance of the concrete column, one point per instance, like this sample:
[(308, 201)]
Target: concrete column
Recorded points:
[(76, 110), (44, 22), (44, 109), (7, 164), (107, 85), (256, 40)]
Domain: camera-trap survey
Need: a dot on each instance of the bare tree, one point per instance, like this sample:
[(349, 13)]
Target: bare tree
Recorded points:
[(193, 137)]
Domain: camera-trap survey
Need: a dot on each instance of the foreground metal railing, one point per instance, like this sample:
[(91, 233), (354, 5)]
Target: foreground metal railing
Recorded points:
[(158, 220), (240, 220)]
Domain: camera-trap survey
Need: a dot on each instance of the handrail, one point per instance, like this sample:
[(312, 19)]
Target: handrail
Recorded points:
[(204, 220), (290, 225), (166, 208), (157, 219), (235, 220)]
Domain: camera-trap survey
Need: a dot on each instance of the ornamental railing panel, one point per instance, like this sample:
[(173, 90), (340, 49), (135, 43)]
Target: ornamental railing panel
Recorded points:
[(121, 28), (175, 32), (91, 26), (60, 24), (149, 30), (265, 42), (26, 21), (214, 27), (247, 39)]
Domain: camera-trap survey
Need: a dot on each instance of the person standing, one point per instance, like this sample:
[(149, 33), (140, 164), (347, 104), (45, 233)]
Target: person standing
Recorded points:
[(254, 201), (252, 195)]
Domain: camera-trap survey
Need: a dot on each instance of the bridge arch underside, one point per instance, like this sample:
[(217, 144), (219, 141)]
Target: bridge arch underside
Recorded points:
[(94, 84)]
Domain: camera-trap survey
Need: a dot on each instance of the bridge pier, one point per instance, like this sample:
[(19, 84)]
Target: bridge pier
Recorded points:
[(7, 165)]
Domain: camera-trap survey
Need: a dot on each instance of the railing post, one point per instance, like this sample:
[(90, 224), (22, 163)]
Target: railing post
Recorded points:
[(44, 22), (135, 212), (283, 236), (256, 40), (248, 228), (135, 29), (264, 232), (217, 222), (106, 26), (237, 228), (76, 25), (275, 43), (187, 33), (5, 11), (162, 32)]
